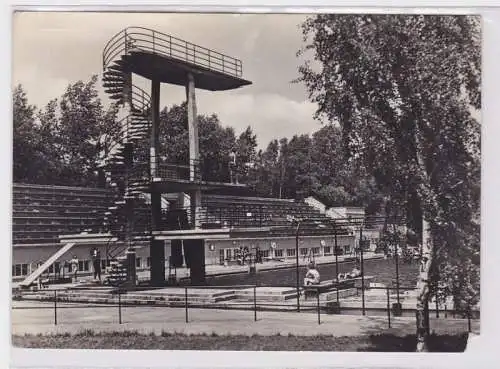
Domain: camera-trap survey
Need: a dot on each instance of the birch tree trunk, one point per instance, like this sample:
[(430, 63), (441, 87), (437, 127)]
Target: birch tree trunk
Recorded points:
[(423, 288)]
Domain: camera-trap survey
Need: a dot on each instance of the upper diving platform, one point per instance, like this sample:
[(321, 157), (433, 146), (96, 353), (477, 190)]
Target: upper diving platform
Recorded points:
[(158, 56)]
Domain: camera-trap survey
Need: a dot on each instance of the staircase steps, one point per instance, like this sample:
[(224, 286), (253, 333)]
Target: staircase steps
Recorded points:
[(270, 294)]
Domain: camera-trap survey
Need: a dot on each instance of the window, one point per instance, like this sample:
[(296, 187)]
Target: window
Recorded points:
[(315, 250), (83, 265), (54, 268), (347, 249), (278, 252), (290, 252), (19, 270), (327, 250), (265, 253), (303, 251), (138, 262), (148, 262)]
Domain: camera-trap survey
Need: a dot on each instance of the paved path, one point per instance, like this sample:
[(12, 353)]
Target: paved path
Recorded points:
[(36, 317)]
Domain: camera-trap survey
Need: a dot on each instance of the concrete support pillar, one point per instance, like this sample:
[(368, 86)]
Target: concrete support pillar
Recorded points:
[(131, 267), (155, 121), (195, 208), (127, 89), (156, 214), (127, 99), (194, 151), (101, 178), (177, 259), (156, 248), (157, 255), (195, 257)]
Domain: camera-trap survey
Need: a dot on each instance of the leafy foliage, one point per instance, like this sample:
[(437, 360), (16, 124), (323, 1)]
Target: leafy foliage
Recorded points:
[(216, 142), (404, 90), (60, 144)]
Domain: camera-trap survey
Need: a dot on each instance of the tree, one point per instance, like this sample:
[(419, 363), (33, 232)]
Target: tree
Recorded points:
[(298, 167), (83, 123), (61, 143), (246, 154), (216, 144), (283, 157), (337, 181), (268, 173), (404, 90), (48, 145), (24, 145)]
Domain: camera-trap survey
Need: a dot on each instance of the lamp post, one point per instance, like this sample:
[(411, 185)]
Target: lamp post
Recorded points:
[(362, 268), (397, 267), (336, 256), (297, 264)]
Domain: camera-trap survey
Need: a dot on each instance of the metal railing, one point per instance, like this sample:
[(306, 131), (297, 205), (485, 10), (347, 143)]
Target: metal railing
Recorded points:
[(219, 215), (158, 43), (190, 171), (126, 129), (189, 297)]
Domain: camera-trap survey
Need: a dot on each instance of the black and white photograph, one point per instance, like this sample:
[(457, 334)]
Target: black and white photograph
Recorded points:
[(246, 182)]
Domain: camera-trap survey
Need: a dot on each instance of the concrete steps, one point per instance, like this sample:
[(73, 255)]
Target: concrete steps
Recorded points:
[(270, 294)]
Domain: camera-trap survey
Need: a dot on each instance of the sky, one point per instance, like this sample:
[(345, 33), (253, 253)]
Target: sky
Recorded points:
[(52, 50)]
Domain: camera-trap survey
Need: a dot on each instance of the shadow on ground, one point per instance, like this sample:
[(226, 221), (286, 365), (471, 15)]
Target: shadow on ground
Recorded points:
[(437, 343)]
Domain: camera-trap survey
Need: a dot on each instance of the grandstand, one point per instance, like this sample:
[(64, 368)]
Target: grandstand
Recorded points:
[(45, 215), (151, 213)]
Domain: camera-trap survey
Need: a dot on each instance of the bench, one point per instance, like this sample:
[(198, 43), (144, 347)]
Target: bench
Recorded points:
[(324, 286), (329, 285), (346, 283)]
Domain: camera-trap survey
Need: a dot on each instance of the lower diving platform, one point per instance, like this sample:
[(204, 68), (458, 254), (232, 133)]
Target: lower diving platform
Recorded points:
[(210, 234)]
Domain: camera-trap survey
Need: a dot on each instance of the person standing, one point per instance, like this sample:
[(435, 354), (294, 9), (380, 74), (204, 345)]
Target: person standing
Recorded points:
[(74, 267), (95, 254)]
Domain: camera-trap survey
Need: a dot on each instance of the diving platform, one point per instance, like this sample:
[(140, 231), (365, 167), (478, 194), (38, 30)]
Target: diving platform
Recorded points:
[(88, 238), (173, 185), (167, 59), (171, 70), (207, 234)]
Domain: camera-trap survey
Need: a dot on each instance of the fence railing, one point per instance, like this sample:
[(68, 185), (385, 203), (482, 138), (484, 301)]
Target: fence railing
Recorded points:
[(215, 215), (188, 297), (147, 40), (192, 170)]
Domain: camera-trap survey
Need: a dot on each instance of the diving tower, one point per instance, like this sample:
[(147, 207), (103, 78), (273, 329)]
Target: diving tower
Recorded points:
[(132, 164)]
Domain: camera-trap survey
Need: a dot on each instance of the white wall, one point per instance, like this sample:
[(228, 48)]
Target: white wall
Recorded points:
[(282, 243)]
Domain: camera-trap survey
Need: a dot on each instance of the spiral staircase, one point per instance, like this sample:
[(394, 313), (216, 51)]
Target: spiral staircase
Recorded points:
[(125, 165)]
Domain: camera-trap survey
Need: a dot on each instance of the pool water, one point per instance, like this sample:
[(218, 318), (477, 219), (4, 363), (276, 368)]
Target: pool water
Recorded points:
[(383, 271)]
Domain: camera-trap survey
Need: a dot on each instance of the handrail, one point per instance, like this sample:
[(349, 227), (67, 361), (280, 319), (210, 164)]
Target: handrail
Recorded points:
[(143, 99), (159, 43)]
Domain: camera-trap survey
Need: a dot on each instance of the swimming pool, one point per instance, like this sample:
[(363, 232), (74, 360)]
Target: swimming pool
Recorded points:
[(383, 271)]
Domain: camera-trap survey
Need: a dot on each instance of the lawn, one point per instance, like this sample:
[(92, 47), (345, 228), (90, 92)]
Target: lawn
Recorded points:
[(175, 341)]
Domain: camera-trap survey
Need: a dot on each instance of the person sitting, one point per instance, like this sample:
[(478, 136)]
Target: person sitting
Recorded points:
[(312, 275), (355, 273)]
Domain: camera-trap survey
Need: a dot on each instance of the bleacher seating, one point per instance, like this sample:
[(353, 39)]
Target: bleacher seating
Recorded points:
[(42, 213), (244, 211)]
